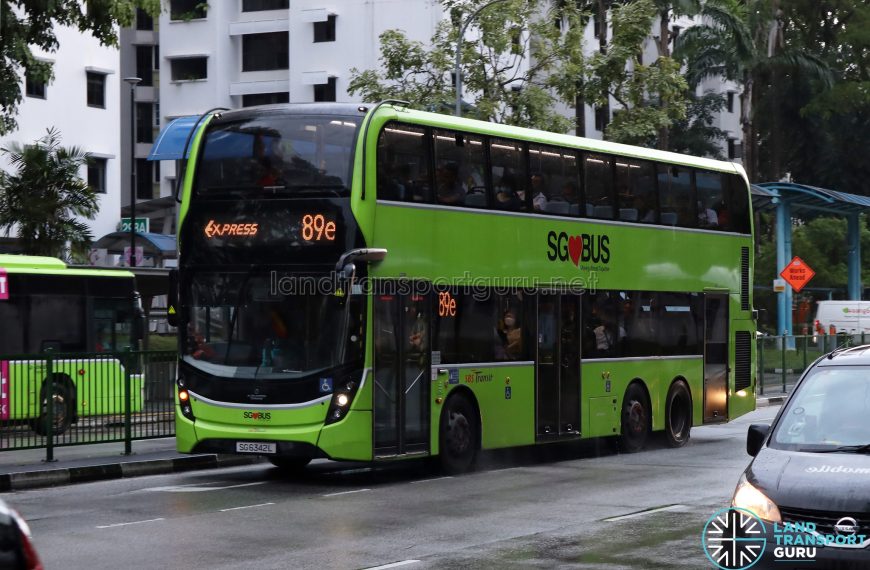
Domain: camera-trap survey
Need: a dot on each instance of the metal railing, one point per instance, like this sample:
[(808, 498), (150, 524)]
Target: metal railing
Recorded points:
[(782, 359), (58, 399)]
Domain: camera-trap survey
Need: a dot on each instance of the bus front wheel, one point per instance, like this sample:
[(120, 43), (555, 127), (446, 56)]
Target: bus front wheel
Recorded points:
[(62, 409), (635, 419), (458, 435), (678, 415)]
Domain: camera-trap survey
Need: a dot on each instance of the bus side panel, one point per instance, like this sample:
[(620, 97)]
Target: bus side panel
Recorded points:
[(350, 439), (741, 402), (25, 378), (656, 375), (505, 396)]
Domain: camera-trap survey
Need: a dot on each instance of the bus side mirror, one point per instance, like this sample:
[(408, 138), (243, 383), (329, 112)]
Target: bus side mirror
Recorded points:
[(755, 438), (172, 305), (139, 326)]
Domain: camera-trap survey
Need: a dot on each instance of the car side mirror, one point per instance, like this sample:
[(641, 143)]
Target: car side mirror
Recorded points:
[(172, 305), (755, 438)]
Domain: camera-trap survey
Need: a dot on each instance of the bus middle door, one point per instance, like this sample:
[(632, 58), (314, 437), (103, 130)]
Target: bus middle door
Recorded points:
[(401, 390), (557, 378)]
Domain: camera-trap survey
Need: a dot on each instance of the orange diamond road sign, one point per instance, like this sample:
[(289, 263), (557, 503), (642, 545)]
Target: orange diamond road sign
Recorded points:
[(797, 274)]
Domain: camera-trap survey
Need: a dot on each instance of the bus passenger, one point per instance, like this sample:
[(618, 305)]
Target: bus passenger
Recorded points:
[(506, 194), (448, 187), (539, 193), (511, 336)]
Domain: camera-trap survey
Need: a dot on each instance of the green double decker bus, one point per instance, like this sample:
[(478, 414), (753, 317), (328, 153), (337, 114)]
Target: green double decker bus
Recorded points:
[(84, 316), (376, 283)]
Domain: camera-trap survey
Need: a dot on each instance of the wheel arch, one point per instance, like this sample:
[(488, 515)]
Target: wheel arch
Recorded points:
[(63, 379), (466, 392)]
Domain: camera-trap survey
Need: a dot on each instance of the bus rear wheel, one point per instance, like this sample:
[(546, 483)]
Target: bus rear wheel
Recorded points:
[(290, 464), (678, 415), (458, 436), (635, 419), (62, 409)]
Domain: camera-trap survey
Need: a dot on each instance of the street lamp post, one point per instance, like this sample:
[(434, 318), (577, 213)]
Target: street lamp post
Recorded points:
[(132, 81), (456, 72)]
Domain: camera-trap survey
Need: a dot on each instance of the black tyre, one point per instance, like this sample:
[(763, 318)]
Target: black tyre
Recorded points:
[(678, 415), (290, 464), (459, 435), (62, 409), (636, 424)]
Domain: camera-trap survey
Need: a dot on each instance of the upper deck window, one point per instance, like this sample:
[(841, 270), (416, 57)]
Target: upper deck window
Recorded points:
[(280, 155)]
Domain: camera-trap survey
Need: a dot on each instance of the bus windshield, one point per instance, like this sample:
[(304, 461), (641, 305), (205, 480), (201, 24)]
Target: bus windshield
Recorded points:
[(283, 155), (240, 326)]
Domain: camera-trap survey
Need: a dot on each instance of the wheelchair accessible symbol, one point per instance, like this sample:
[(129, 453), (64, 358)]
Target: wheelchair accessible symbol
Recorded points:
[(325, 385)]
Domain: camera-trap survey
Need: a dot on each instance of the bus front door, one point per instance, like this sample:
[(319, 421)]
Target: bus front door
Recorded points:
[(557, 393), (715, 358), (401, 397)]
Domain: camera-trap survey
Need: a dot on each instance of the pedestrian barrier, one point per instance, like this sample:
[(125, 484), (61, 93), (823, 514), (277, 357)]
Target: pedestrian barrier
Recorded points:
[(58, 399), (782, 359)]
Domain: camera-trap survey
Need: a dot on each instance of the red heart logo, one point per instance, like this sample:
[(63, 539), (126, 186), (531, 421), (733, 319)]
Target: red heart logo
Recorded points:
[(575, 247)]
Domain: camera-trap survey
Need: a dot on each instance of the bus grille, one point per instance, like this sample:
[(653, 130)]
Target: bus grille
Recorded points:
[(742, 360), (744, 279)]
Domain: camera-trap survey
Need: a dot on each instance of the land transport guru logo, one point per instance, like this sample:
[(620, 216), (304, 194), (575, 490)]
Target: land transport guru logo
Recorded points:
[(580, 248), (734, 539)]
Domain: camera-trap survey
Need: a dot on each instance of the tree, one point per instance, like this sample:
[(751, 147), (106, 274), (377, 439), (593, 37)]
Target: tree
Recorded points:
[(25, 24), (743, 41), (697, 134), (513, 70), (651, 96), (42, 201)]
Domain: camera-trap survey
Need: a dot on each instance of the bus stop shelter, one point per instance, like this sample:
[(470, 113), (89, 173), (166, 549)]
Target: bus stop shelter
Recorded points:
[(787, 199)]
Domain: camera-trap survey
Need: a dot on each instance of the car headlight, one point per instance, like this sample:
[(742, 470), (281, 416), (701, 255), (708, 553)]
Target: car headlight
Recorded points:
[(748, 497)]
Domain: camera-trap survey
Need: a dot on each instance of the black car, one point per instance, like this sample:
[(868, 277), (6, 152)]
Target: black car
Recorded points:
[(16, 546), (810, 479)]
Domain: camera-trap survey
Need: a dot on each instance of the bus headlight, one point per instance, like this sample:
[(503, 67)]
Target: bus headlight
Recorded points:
[(341, 400), (184, 400), (751, 499)]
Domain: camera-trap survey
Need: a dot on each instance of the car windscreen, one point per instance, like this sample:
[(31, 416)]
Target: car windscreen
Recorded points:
[(830, 409), (284, 155)]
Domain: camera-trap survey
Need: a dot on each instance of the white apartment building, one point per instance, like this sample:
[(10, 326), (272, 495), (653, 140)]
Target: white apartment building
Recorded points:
[(82, 104)]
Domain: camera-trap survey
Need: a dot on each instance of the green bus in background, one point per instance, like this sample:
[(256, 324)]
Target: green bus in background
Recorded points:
[(76, 313), (373, 283)]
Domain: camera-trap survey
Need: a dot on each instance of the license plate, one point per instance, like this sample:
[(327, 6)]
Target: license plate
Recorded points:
[(255, 447)]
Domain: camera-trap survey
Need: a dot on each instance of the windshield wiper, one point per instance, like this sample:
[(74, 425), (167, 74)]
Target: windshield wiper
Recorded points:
[(865, 448)]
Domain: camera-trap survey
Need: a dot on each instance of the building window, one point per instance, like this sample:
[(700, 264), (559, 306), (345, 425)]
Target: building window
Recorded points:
[(260, 5), (144, 178), (145, 65), (189, 68), (602, 118), (156, 168), (729, 102), (325, 31), (97, 175), (156, 115), (265, 99), (96, 90), (264, 52), (325, 92), (143, 20), (735, 149), (34, 87), (144, 122), (187, 9), (157, 57)]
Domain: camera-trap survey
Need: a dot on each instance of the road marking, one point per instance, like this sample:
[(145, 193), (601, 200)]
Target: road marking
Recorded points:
[(346, 492), (647, 512), (199, 489), (430, 480), (129, 523), (246, 507), (393, 565)]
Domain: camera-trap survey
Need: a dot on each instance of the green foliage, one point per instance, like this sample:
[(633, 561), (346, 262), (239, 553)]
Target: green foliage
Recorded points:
[(504, 38), (25, 24), (42, 201), (697, 134), (652, 96)]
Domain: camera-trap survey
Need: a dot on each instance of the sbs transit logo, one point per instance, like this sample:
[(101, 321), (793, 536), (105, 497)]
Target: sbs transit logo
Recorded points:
[(580, 248)]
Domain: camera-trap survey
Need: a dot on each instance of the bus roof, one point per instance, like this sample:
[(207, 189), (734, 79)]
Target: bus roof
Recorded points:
[(34, 264), (545, 137)]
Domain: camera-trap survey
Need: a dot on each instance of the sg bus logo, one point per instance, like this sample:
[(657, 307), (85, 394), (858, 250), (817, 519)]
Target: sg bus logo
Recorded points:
[(262, 416), (582, 247)]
